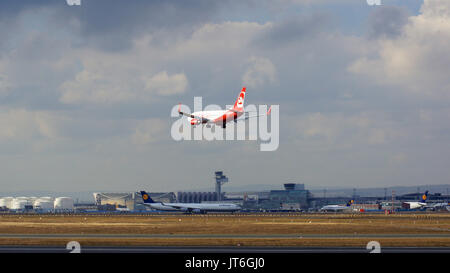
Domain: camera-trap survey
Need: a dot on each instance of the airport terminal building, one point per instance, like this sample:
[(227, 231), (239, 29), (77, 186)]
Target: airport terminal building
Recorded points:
[(293, 197), (129, 200)]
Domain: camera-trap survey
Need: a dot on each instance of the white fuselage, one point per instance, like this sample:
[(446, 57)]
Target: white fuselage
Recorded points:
[(335, 208), (202, 207), (416, 205), (214, 117), (210, 114), (160, 206)]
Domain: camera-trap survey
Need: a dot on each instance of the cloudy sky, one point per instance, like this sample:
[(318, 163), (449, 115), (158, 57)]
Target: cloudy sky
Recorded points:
[(86, 92)]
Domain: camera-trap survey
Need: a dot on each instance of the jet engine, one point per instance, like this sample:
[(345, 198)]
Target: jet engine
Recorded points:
[(195, 121)]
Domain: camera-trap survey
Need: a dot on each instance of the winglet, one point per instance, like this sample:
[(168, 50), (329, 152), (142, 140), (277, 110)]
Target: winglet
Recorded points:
[(270, 110), (179, 109)]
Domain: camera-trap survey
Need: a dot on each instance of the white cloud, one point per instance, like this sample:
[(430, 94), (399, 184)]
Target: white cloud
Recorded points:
[(130, 76), (344, 131), (425, 115), (397, 159), (163, 84), (5, 84), (84, 75), (261, 71), (149, 131), (226, 37), (136, 74), (418, 60), (95, 87), (109, 86), (21, 124)]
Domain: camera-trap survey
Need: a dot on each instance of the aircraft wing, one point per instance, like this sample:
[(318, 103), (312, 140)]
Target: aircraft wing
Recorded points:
[(437, 205), (254, 116), (236, 111)]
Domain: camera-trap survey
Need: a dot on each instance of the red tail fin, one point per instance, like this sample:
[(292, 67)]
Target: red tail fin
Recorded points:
[(239, 104)]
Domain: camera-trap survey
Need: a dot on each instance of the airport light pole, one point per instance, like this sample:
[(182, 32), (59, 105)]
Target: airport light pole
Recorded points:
[(393, 198)]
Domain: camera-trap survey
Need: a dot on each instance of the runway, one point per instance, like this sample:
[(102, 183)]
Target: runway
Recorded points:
[(237, 234), (219, 250), (221, 236)]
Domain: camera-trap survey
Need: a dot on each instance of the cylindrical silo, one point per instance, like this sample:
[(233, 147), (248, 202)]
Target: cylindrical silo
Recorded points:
[(44, 205), (6, 202), (19, 204), (63, 203)]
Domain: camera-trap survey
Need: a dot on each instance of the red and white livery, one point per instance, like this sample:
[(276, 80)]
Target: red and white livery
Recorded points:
[(220, 117)]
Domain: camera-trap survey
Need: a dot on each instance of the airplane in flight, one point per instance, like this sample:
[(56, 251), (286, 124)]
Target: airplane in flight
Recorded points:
[(417, 205), (189, 207), (338, 207), (220, 117)]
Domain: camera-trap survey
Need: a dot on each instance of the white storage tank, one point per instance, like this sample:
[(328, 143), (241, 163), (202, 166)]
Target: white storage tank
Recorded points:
[(6, 202), (43, 204), (19, 204), (63, 203)]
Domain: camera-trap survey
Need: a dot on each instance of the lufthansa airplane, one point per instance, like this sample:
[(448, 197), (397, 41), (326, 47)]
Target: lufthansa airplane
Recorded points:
[(220, 117), (417, 205), (338, 207), (189, 207)]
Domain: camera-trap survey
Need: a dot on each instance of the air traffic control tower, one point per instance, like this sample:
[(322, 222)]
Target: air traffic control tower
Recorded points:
[(220, 179)]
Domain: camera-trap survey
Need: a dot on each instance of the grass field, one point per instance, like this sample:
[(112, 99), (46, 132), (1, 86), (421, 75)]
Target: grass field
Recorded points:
[(420, 230)]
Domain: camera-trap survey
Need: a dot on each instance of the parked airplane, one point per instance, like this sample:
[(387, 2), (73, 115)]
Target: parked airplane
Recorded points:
[(438, 206), (220, 117), (189, 207), (338, 207), (416, 205)]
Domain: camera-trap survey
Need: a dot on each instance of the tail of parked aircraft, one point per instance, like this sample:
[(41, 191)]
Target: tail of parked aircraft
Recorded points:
[(424, 197), (349, 203), (146, 198), (239, 104)]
